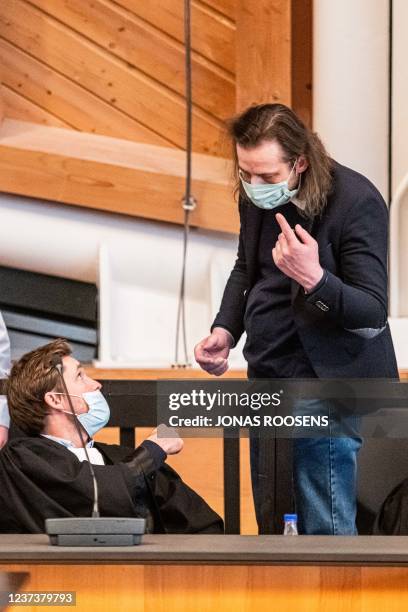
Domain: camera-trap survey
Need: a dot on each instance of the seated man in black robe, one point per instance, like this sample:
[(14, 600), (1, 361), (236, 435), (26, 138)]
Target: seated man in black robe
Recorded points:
[(46, 475)]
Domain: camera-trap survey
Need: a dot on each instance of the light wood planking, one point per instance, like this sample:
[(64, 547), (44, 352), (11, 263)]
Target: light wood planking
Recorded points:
[(274, 39), (67, 100), (263, 48), (226, 7), (19, 107), (126, 36), (302, 59), (221, 588), (2, 105), (212, 34), (113, 175), (249, 525), (108, 77)]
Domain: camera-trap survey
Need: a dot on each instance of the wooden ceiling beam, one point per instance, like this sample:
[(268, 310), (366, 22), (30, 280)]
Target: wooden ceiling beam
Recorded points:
[(113, 175)]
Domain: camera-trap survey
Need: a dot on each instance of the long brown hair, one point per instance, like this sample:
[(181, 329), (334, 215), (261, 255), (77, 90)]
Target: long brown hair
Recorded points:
[(278, 122), (30, 379)]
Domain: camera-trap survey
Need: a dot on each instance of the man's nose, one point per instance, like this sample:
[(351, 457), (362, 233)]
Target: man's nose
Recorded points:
[(256, 180), (95, 384)]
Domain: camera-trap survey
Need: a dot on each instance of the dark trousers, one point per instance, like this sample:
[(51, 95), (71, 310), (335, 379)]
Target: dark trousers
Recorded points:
[(272, 483)]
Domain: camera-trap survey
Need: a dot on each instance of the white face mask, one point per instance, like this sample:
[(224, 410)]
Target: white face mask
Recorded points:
[(98, 411), (270, 195)]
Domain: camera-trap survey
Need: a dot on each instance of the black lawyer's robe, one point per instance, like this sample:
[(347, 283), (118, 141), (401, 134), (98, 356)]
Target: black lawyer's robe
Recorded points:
[(40, 479)]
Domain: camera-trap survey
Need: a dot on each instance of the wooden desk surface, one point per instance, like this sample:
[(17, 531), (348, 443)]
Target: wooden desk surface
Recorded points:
[(215, 550), (219, 573)]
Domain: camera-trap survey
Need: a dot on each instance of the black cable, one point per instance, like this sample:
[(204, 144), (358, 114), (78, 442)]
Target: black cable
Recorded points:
[(188, 200), (390, 86), (57, 364), (390, 125)]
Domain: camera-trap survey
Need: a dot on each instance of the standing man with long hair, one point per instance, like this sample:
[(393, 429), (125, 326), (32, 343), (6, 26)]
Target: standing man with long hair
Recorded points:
[(309, 287)]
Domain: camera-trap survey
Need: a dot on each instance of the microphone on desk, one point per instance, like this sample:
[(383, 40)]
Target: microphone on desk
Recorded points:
[(94, 530)]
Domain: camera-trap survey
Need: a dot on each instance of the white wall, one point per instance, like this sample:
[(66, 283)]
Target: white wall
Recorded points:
[(136, 262), (350, 83), (400, 93), (351, 114), (399, 208), (399, 203)]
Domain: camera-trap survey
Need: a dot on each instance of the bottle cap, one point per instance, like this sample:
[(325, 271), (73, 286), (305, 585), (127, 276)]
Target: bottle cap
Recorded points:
[(290, 517)]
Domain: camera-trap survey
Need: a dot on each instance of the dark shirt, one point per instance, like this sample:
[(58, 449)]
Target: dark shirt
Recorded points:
[(273, 348)]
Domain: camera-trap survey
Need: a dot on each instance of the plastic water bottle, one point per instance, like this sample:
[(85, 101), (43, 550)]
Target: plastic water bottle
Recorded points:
[(290, 525)]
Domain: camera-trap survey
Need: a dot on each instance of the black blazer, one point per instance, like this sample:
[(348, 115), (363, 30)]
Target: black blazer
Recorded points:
[(343, 323)]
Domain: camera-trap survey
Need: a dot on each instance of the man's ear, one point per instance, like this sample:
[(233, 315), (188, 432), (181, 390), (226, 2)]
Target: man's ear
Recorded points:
[(301, 165), (53, 400)]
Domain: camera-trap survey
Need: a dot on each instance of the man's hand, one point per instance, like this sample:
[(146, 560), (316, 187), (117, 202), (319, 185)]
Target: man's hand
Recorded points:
[(172, 444), (212, 352), (4, 433), (296, 254)]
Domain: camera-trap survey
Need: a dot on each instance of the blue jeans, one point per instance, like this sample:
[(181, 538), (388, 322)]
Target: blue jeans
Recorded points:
[(324, 475), (324, 478), (325, 471)]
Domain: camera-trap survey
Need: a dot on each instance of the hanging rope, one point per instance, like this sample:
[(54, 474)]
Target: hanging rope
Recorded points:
[(188, 202)]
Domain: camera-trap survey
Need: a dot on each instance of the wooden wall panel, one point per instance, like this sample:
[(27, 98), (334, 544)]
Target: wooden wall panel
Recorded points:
[(256, 35), (19, 107), (226, 7), (70, 103), (212, 34), (302, 59), (220, 588), (108, 77), (274, 54), (146, 48), (2, 105)]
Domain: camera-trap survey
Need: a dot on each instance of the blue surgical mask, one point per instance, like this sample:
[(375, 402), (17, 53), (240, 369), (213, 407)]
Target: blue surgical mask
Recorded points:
[(98, 412), (270, 195)]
